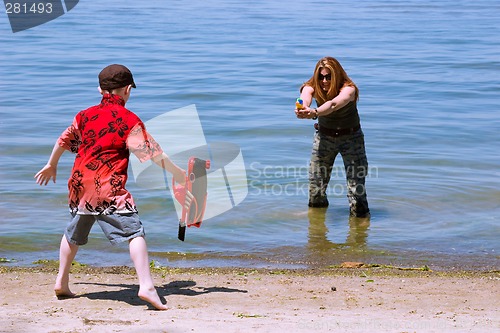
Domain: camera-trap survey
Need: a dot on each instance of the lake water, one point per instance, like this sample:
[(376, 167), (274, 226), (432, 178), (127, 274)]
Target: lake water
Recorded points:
[(428, 74)]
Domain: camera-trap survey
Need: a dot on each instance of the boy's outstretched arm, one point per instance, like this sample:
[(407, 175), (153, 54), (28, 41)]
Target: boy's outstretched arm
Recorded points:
[(50, 169), (165, 162)]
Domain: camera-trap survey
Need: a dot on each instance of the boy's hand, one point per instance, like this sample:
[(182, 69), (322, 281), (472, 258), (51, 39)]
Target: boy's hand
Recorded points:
[(43, 176), (179, 176)]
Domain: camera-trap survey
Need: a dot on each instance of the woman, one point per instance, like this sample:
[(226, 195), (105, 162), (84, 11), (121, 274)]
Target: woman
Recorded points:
[(338, 131)]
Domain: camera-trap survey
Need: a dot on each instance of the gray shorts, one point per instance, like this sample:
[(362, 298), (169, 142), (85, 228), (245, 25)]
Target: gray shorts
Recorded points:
[(117, 227)]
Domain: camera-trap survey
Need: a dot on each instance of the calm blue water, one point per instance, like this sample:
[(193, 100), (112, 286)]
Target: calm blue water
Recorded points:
[(428, 73)]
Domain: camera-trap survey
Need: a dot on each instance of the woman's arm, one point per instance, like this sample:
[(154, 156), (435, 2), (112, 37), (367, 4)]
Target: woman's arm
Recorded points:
[(347, 94), (307, 96)]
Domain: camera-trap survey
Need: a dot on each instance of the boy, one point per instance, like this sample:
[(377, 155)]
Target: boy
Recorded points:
[(102, 137)]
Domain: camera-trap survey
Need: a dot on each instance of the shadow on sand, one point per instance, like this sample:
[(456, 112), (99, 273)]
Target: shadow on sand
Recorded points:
[(128, 292)]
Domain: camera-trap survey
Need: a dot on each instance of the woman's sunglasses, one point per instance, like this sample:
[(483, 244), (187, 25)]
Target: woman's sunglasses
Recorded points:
[(328, 77)]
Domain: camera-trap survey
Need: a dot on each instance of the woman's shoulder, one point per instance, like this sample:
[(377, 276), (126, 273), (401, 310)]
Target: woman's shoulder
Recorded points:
[(349, 92), (307, 88), (348, 88)]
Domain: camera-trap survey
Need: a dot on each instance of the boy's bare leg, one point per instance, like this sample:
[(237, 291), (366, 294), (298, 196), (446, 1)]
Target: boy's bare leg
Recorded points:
[(139, 255), (67, 253)]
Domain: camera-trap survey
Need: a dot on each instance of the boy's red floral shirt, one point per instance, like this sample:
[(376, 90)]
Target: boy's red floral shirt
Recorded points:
[(102, 137)]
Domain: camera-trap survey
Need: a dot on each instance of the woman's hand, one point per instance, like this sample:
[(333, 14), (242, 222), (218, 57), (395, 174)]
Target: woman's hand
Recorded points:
[(305, 113)]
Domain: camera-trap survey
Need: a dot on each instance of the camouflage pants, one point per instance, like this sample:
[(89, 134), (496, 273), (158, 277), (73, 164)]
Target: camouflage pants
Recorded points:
[(352, 149)]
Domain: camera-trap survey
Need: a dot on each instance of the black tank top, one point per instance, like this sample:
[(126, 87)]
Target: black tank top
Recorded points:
[(345, 117)]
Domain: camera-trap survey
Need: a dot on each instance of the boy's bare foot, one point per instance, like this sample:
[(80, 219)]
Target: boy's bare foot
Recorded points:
[(63, 293), (151, 296), (61, 287)]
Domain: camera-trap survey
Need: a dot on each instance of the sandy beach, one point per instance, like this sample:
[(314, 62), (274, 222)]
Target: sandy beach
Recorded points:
[(334, 299)]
